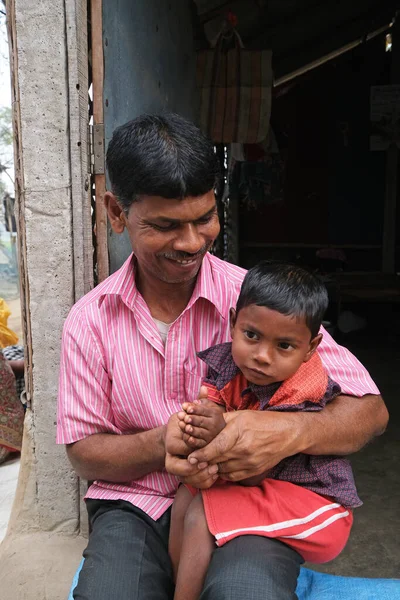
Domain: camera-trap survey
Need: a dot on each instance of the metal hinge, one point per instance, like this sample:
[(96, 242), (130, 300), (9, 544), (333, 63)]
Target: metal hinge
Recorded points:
[(96, 149)]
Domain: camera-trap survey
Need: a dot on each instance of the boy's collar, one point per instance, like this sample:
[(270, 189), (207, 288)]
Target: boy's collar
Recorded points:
[(220, 359)]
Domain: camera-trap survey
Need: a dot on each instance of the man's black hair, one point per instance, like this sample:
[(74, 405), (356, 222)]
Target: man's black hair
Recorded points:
[(286, 288), (160, 155)]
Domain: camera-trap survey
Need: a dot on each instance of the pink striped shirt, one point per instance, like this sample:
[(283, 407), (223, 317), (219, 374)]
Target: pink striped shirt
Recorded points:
[(116, 375)]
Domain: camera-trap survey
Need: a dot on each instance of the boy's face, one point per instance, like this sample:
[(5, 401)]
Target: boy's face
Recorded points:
[(267, 346)]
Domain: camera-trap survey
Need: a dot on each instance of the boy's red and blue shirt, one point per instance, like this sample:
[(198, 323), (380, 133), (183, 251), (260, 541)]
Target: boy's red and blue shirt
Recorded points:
[(309, 389)]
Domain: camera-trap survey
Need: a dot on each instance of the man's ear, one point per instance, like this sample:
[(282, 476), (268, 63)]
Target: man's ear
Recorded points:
[(115, 213), (315, 342), (232, 319)]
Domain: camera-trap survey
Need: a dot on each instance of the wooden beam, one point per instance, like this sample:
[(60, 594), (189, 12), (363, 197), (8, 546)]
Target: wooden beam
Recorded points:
[(389, 217), (19, 183), (392, 165), (324, 20), (77, 55), (98, 119), (330, 56)]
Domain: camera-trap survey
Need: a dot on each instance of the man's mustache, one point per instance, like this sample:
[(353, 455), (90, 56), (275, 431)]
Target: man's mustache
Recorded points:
[(185, 255)]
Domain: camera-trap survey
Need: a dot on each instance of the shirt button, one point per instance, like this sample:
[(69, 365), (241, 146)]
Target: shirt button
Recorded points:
[(173, 396)]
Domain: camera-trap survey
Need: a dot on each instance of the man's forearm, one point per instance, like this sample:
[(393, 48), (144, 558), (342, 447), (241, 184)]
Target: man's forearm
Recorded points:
[(118, 458), (343, 427)]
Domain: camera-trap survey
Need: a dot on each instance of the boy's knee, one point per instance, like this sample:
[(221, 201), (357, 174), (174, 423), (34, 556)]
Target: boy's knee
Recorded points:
[(195, 517)]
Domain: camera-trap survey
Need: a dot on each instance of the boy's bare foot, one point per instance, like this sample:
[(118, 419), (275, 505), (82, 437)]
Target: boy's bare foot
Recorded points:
[(201, 421)]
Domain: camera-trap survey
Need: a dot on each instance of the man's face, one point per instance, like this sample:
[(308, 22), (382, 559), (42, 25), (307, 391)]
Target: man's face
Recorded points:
[(170, 237)]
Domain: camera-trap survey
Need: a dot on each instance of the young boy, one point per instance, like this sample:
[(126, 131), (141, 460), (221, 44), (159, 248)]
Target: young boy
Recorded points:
[(304, 501)]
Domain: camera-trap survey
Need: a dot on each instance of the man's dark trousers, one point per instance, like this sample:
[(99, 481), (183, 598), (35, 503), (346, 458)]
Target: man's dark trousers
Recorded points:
[(127, 559)]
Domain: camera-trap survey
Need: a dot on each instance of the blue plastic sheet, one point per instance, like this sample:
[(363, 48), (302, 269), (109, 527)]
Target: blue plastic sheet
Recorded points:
[(320, 586)]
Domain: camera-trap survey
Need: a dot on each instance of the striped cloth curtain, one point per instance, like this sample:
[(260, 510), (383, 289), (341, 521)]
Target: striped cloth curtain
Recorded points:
[(235, 92)]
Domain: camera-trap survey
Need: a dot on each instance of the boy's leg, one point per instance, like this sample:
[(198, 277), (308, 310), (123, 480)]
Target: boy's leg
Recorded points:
[(127, 555), (180, 506), (197, 548), (201, 422)]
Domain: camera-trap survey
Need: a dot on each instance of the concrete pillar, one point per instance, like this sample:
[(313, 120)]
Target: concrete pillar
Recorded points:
[(42, 546)]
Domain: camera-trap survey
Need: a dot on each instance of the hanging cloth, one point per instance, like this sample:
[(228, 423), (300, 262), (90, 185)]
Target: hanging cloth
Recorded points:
[(235, 91), (7, 336)]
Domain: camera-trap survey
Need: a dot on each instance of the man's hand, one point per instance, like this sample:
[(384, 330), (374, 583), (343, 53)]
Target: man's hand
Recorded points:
[(199, 475), (251, 443), (174, 443), (255, 441)]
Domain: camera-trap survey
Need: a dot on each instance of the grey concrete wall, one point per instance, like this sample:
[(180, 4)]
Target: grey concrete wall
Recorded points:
[(50, 501), (49, 70), (149, 66)]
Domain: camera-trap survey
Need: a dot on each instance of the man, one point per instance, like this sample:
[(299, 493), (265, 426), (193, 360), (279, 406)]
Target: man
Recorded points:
[(129, 360)]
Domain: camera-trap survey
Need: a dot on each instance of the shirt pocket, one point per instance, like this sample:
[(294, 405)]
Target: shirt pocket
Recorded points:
[(192, 384)]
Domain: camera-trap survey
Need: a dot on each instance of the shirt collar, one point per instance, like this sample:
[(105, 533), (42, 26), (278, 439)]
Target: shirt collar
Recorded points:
[(220, 359), (123, 284), (207, 287)]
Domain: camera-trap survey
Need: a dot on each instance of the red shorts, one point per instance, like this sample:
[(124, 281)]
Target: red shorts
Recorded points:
[(313, 525)]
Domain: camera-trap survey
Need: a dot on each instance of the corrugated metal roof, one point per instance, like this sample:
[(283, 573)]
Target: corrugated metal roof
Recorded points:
[(297, 31)]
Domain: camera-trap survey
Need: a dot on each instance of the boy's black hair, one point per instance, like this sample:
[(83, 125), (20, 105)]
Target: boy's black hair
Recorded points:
[(160, 155), (286, 288)]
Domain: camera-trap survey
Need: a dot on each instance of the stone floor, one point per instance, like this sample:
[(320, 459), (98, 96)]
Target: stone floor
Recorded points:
[(374, 547)]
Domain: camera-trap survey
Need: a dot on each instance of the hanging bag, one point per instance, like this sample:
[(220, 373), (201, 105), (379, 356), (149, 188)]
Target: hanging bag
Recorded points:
[(235, 91)]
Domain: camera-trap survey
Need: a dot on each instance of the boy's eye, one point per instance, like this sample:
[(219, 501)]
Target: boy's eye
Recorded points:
[(285, 345), (251, 335)]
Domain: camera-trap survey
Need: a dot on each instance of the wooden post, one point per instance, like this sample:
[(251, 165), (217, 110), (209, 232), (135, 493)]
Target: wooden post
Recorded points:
[(19, 184), (392, 165), (98, 122), (389, 217)]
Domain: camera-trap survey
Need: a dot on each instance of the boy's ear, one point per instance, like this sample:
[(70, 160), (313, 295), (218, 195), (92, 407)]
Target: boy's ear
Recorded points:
[(315, 342), (232, 319)]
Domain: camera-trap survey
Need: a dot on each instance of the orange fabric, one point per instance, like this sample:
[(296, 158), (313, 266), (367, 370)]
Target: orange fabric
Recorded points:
[(231, 395), (213, 394), (308, 383)]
